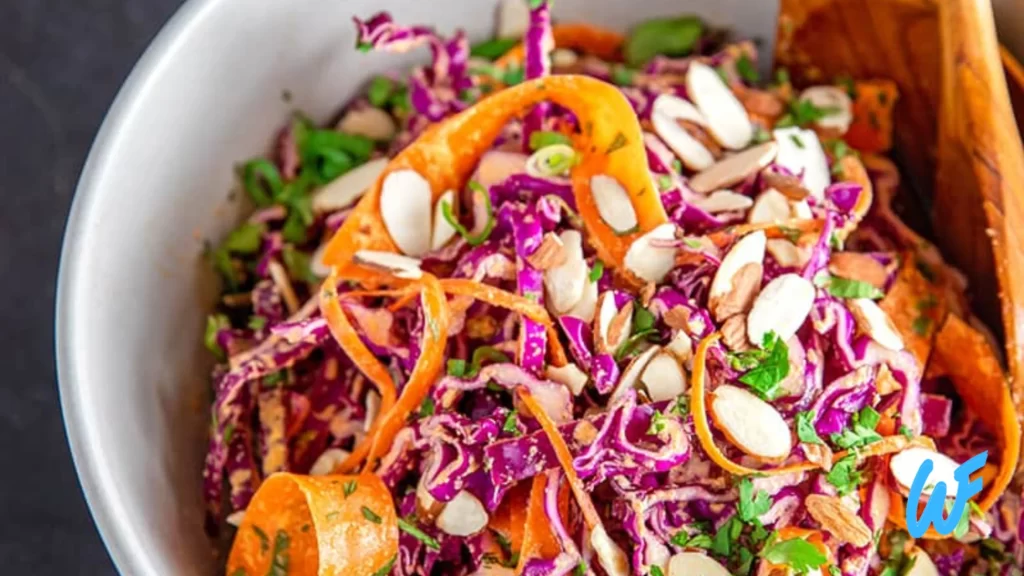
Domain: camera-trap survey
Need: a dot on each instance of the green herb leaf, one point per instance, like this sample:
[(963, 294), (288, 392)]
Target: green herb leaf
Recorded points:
[(751, 506), (262, 181), (721, 544), (906, 431), (782, 76), (844, 475), (656, 571), (581, 569), (257, 322), (677, 166), (622, 76), (805, 428), (868, 417), (769, 372), (964, 524), (371, 515), (215, 323), (414, 531), (643, 320), (760, 135), (386, 569), (834, 570), (485, 354), (658, 423), (921, 325), (493, 49), (664, 182), (457, 367), (663, 36), (279, 564), (746, 69), (471, 239), (380, 90), (349, 488), (513, 75), (797, 553), (544, 138), (299, 265), (846, 288), (246, 239), (681, 407), (427, 408), (511, 425), (264, 539), (596, 271)]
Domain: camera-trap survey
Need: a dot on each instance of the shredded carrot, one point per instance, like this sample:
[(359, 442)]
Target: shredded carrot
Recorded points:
[(315, 522), (564, 458), (446, 154), (872, 127), (496, 297), (593, 40), (558, 357), (510, 518), (349, 341), (539, 540), (432, 350)]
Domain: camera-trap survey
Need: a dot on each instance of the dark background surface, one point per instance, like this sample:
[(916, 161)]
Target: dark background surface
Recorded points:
[(61, 63)]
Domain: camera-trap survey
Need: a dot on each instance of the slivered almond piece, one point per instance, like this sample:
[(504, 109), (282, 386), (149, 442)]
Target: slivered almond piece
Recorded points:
[(284, 283), (405, 208), (341, 192), (549, 254), (747, 250), (666, 111), (497, 165), (396, 264), (793, 383), (368, 121), (631, 375), (328, 461), (564, 283), (613, 203), (745, 286), (727, 120), (677, 317), (735, 168), (724, 201), (751, 424), (904, 467), (695, 564), (570, 375), (788, 185), (584, 309), (372, 408), (611, 557), (835, 99), (781, 308), (787, 254), (874, 322), (612, 324), (464, 515), (819, 454), (885, 382), (838, 520), (923, 564), (235, 518), (647, 293), (316, 262), (734, 333), (858, 266), (800, 152), (681, 345), (802, 210), (443, 230), (513, 18), (651, 263), (663, 378), (564, 58), (426, 505), (770, 206)]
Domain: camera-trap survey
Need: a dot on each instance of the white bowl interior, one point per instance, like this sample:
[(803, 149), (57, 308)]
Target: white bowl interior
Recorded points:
[(134, 287)]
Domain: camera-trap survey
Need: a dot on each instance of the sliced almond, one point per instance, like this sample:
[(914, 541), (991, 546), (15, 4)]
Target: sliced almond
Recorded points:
[(631, 375), (733, 169), (789, 186), (647, 293), (564, 58), (372, 409), (612, 325), (695, 564), (569, 375), (651, 263), (497, 165), (800, 152), (328, 461), (802, 210), (427, 507), (751, 424), (681, 345), (723, 201), (317, 266), (874, 322), (584, 309), (885, 382), (235, 518), (727, 120), (443, 230), (564, 284), (609, 554), (406, 208), (396, 264), (858, 266), (374, 123), (793, 383), (283, 283), (549, 254), (836, 101), (344, 190), (819, 454), (781, 307), (770, 206), (663, 378), (666, 111), (464, 515), (746, 283), (748, 249), (905, 465), (613, 203), (923, 564), (838, 520), (787, 254), (678, 317), (734, 333), (513, 18)]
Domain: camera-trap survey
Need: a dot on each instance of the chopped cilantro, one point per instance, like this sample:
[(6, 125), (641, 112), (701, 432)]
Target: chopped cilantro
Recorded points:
[(905, 430), (657, 426), (245, 239), (643, 320), (414, 531), (622, 76), (511, 425), (861, 431), (380, 90), (427, 407), (214, 324), (844, 475), (771, 366), (493, 49), (805, 428), (544, 138), (596, 271), (797, 553), (751, 506), (457, 367), (760, 135), (803, 113), (257, 322), (846, 288), (727, 533), (746, 69), (656, 571)]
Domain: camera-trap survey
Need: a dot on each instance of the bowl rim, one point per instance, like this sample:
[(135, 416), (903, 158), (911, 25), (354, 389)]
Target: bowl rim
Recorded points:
[(99, 487)]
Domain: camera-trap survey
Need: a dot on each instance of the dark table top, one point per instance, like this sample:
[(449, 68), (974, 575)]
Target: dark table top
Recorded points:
[(61, 63)]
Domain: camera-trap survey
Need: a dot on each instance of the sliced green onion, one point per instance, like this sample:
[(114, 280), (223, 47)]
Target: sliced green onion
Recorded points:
[(380, 90), (245, 239), (493, 49), (471, 239), (414, 531), (262, 181), (485, 353), (214, 324), (553, 160), (544, 138)]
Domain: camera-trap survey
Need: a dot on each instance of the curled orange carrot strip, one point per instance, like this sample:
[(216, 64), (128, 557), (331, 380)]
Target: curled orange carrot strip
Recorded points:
[(424, 374), (558, 357), (538, 539), (317, 526), (510, 518), (610, 144), (496, 297), (594, 40), (564, 458)]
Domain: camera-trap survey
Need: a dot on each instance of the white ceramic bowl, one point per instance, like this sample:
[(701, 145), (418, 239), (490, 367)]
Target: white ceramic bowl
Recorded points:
[(134, 288)]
